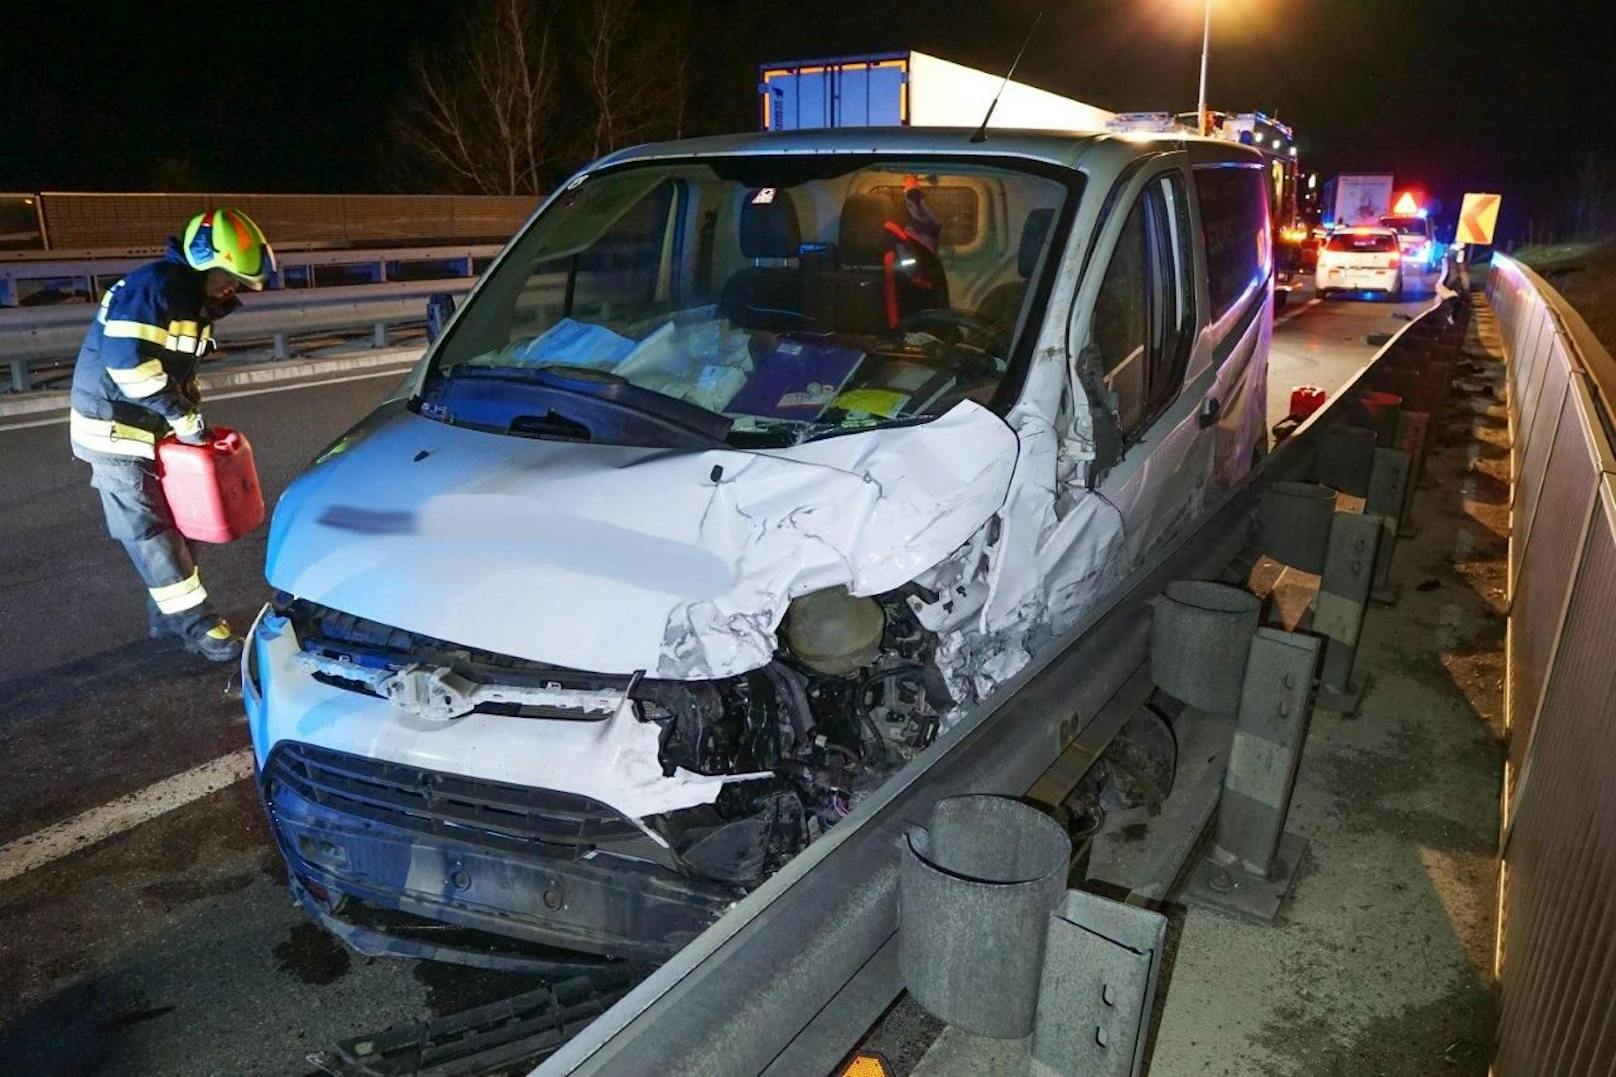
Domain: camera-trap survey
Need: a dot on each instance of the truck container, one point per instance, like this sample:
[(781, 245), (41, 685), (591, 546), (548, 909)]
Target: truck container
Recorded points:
[(1355, 198), (908, 89)]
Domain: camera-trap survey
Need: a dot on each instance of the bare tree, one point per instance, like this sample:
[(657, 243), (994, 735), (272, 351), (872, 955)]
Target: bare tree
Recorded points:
[(636, 66), (483, 108), (1596, 194)]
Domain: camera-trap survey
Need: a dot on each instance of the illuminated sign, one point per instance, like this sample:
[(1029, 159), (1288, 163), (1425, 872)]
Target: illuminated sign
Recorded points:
[(1477, 218)]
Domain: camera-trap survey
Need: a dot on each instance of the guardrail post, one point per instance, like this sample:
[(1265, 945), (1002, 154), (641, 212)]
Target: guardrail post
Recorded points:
[(379, 335), (1411, 429), (1294, 523), (1199, 632), (1344, 459), (1388, 484), (1102, 963), (1349, 568), (20, 381), (8, 292), (283, 349), (1252, 862)]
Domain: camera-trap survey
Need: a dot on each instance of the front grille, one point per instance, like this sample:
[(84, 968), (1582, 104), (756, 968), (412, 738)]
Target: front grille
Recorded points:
[(331, 632), (450, 806)]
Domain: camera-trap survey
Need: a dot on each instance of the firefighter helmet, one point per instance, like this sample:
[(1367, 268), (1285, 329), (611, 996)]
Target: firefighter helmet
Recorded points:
[(228, 239)]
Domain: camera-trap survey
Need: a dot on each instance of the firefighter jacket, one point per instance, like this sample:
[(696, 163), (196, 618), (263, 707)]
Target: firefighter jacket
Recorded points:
[(142, 348)]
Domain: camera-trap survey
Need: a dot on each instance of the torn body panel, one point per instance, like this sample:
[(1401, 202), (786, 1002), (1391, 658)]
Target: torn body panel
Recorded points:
[(684, 562)]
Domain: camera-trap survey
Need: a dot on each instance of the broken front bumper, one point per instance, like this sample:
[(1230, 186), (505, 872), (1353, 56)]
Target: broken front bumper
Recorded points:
[(493, 860)]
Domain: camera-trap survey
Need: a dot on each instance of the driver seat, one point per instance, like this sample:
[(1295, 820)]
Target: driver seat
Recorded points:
[(880, 276)]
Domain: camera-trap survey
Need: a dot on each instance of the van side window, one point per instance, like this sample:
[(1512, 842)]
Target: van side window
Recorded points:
[(1118, 325), (1234, 227), (627, 262), (1144, 315)]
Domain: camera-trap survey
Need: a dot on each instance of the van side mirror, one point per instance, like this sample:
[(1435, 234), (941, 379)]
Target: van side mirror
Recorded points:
[(439, 309)]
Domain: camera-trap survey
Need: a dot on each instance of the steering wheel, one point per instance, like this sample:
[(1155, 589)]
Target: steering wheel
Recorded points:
[(944, 318)]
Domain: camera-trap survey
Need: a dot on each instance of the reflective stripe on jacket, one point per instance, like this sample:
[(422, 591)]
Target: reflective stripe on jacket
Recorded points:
[(141, 348), (111, 436)]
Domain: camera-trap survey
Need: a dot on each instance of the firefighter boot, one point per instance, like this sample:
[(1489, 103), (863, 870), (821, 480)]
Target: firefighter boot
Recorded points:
[(212, 639)]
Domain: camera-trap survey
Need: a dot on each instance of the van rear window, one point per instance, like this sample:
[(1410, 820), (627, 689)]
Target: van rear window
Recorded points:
[(1362, 242), (955, 206), (1234, 226), (1407, 226)]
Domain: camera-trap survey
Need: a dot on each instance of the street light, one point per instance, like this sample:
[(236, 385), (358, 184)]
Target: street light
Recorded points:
[(1206, 47)]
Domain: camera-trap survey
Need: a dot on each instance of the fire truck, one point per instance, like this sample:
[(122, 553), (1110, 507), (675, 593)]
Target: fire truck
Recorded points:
[(1277, 143)]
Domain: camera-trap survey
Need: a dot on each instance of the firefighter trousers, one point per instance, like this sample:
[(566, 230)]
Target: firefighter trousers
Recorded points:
[(138, 517)]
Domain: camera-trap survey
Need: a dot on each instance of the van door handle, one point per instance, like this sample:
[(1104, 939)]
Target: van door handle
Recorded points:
[(1211, 408)]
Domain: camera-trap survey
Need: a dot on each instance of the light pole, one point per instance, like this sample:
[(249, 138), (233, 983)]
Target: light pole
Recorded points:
[(1206, 47)]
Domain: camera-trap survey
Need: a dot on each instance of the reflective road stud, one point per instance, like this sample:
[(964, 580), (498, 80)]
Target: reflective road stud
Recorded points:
[(1252, 862), (1349, 567)]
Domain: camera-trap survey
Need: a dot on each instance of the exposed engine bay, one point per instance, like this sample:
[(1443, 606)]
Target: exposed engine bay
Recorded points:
[(852, 693)]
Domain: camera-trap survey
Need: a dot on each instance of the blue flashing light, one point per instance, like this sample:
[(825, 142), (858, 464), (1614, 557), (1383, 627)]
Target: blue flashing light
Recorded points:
[(1421, 212)]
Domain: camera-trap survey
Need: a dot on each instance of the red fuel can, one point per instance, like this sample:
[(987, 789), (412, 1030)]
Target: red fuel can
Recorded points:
[(1305, 400), (212, 489)]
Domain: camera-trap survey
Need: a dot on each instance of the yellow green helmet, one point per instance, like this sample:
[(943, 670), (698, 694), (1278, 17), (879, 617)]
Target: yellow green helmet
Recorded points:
[(228, 239)]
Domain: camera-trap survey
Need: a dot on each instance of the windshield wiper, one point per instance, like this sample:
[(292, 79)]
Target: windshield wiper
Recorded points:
[(611, 390)]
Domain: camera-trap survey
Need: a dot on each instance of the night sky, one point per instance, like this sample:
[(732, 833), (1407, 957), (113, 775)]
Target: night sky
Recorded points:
[(1451, 95)]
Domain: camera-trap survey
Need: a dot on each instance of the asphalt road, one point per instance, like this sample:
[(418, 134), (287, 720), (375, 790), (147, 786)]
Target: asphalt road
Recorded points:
[(173, 946), (1322, 342)]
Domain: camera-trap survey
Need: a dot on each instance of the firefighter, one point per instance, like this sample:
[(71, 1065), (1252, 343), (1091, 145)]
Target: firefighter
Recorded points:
[(135, 382)]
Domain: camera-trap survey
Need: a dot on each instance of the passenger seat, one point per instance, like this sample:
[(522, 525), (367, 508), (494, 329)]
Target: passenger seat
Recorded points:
[(1002, 305), (768, 293)]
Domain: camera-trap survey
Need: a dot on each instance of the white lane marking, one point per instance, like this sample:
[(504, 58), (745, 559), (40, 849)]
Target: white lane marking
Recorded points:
[(391, 372), (114, 817), (1298, 311)]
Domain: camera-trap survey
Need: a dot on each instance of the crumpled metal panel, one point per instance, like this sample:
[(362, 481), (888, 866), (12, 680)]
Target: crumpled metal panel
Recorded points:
[(616, 559)]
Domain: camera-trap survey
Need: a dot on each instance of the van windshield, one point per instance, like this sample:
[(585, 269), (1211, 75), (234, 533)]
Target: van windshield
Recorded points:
[(786, 296)]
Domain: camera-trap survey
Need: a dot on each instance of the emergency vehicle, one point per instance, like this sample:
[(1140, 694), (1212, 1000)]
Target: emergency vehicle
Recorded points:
[(1277, 144)]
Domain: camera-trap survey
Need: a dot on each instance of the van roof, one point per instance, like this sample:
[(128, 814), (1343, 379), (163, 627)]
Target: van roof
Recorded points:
[(1064, 148)]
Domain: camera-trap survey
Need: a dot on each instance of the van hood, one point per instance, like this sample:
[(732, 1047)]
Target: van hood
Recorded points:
[(617, 559)]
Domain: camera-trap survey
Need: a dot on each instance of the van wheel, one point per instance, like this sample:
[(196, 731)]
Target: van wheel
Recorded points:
[(1396, 294)]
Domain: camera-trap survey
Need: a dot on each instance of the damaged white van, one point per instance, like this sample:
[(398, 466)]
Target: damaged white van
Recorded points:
[(750, 463)]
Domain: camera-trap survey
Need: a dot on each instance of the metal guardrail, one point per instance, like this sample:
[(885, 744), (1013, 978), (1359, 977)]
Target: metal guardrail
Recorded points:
[(789, 978), (1557, 946), (88, 272), (32, 335)]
